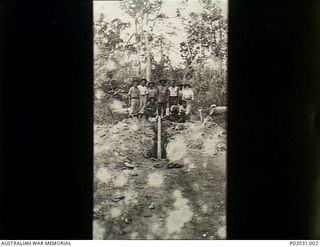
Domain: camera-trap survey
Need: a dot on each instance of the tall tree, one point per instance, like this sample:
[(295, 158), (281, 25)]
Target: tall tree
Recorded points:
[(145, 14)]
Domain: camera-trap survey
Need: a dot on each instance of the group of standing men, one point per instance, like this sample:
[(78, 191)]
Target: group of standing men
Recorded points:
[(150, 100)]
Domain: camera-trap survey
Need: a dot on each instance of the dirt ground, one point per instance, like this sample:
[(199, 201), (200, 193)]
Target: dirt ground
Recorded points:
[(140, 197)]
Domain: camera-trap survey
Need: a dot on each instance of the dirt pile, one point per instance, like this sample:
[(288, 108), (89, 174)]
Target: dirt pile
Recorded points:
[(190, 141), (109, 111), (123, 141)]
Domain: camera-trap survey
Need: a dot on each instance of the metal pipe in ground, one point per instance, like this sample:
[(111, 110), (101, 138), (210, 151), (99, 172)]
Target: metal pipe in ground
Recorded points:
[(159, 139), (200, 114)]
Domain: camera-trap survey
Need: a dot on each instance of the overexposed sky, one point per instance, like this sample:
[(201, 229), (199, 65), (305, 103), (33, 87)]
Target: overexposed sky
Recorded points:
[(112, 10)]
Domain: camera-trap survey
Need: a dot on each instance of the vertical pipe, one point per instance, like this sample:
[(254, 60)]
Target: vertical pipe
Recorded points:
[(200, 114), (159, 138)]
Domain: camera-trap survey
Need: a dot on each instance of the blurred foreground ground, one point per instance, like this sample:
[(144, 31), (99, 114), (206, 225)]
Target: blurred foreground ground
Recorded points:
[(140, 197)]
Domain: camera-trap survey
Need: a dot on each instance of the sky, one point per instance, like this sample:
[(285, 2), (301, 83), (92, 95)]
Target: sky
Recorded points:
[(112, 10), (168, 7)]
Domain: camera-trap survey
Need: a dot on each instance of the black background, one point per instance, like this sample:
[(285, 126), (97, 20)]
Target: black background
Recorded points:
[(47, 120)]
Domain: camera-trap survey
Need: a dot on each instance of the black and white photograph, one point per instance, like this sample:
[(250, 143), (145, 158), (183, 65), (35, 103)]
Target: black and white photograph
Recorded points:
[(159, 120), (160, 107)]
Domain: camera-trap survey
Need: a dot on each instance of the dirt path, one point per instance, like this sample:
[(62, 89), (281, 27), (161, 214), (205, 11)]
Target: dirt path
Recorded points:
[(143, 198)]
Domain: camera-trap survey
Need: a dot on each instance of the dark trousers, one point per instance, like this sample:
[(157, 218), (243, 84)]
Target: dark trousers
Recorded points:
[(162, 108)]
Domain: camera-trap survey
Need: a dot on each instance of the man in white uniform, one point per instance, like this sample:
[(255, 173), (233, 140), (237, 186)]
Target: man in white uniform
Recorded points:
[(188, 97), (173, 95), (143, 95), (134, 95)]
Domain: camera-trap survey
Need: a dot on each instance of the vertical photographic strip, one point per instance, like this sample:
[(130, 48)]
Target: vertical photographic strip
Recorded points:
[(160, 83)]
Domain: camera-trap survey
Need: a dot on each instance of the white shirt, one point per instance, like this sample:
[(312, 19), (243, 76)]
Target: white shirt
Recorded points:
[(187, 94), (143, 90), (173, 91)]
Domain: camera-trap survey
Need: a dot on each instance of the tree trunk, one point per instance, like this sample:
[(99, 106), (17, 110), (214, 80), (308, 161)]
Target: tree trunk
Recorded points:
[(138, 40), (148, 65), (220, 67), (187, 65), (185, 74)]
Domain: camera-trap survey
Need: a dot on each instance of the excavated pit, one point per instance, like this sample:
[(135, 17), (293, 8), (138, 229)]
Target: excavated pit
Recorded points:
[(164, 141)]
